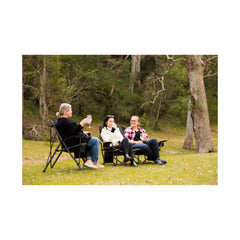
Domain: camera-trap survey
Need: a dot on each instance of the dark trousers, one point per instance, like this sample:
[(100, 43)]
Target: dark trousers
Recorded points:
[(126, 147), (150, 148)]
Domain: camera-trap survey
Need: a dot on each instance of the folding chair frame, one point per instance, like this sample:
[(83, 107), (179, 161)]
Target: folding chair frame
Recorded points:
[(107, 149), (137, 152), (60, 149), (115, 153)]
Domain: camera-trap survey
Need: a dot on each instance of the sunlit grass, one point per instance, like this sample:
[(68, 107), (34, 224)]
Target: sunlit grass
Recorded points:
[(183, 167)]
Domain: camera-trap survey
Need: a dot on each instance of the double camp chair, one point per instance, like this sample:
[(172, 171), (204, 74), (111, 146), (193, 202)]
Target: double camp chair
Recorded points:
[(62, 147), (112, 155)]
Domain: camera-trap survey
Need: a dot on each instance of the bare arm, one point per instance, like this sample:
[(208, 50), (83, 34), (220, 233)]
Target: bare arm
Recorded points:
[(84, 121)]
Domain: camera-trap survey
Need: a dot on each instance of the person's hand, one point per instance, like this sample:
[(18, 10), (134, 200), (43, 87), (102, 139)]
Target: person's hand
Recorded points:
[(85, 121), (114, 126), (141, 142), (116, 144)]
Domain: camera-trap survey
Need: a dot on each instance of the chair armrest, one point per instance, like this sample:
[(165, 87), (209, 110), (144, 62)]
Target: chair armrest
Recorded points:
[(74, 136), (161, 142), (76, 145), (68, 138), (106, 144), (87, 133)]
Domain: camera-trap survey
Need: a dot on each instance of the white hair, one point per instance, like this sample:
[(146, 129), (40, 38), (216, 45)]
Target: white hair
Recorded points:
[(62, 109)]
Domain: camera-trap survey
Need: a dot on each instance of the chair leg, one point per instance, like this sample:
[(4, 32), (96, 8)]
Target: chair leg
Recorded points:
[(121, 163), (56, 159), (78, 164), (84, 159), (115, 159), (46, 167), (60, 153), (50, 156), (103, 156), (145, 159), (49, 161), (118, 162), (136, 157)]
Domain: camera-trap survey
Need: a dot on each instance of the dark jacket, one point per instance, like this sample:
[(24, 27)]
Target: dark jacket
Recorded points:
[(68, 128)]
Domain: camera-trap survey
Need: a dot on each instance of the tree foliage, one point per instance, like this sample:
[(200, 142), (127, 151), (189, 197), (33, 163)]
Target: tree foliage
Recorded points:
[(99, 85)]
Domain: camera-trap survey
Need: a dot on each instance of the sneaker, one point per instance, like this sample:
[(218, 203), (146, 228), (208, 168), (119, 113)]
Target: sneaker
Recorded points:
[(159, 162), (98, 165), (163, 161), (90, 165)]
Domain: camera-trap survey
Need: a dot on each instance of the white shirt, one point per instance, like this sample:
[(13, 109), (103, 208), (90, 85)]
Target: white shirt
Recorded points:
[(109, 136)]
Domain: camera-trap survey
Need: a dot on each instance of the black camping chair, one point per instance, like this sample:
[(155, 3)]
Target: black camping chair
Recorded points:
[(138, 153), (62, 147), (109, 153)]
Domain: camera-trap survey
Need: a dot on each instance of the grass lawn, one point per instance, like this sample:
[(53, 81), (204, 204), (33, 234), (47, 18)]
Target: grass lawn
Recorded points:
[(183, 167)]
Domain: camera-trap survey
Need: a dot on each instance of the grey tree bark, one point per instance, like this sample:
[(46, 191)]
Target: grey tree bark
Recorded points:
[(117, 73), (188, 142), (22, 86), (42, 96), (199, 114), (135, 68)]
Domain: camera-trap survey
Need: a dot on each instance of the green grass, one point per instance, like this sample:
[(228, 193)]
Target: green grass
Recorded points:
[(183, 167)]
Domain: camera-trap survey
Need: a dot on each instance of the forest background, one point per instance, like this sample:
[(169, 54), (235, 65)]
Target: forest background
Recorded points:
[(155, 87)]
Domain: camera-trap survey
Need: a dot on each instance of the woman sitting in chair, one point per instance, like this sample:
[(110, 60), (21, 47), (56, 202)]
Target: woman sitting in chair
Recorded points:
[(68, 128), (111, 133)]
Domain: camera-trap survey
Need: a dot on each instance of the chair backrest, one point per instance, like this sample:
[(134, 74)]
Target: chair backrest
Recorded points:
[(82, 146), (122, 129), (99, 132), (53, 125)]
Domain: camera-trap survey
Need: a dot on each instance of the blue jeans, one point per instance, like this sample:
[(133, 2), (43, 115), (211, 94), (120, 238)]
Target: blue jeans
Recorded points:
[(150, 148), (93, 151)]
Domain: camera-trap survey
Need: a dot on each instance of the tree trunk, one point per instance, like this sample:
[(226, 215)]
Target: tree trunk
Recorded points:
[(188, 142), (116, 76), (22, 86), (199, 115), (158, 113), (135, 68), (42, 97), (117, 73)]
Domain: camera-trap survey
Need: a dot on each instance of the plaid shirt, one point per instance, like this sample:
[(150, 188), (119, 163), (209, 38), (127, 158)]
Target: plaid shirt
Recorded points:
[(130, 133)]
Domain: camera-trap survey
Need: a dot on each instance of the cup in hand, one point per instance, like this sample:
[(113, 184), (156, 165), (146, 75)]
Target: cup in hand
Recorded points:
[(90, 119), (142, 137)]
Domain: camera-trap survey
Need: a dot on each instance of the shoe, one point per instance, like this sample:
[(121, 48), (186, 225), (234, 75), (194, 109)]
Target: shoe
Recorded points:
[(90, 165), (98, 165), (163, 161), (158, 161), (127, 157), (133, 163)]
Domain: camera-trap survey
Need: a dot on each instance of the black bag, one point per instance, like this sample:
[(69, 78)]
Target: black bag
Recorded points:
[(83, 147), (81, 151), (108, 156)]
